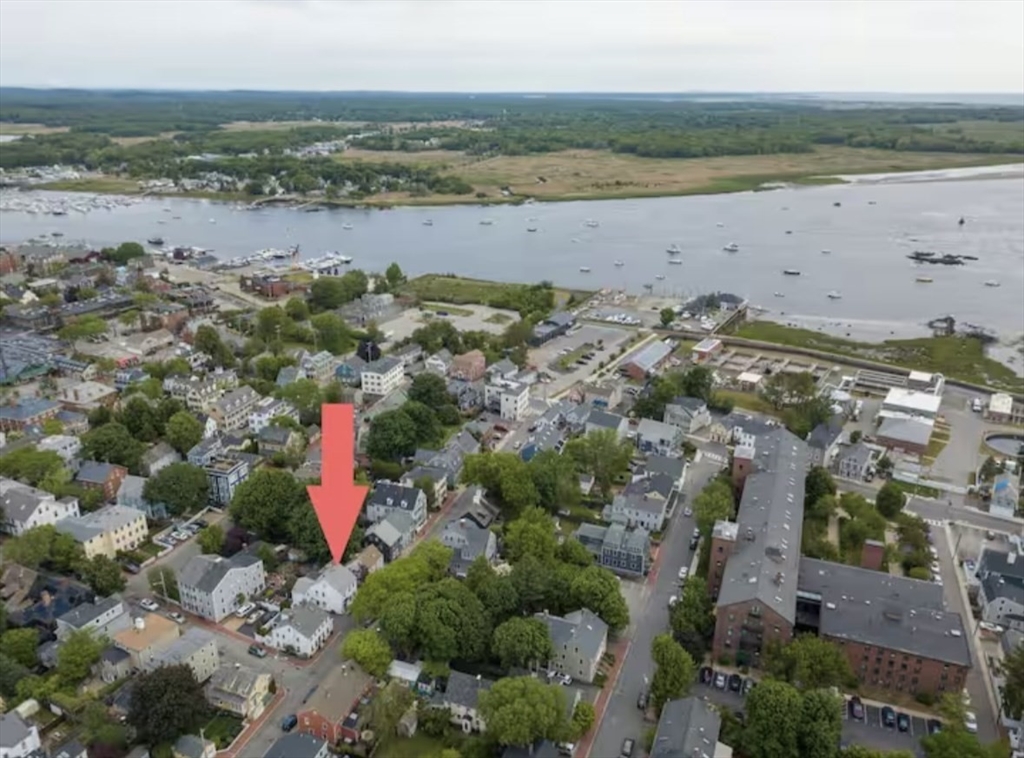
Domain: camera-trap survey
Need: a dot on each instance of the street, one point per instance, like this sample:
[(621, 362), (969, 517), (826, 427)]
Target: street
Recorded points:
[(622, 718)]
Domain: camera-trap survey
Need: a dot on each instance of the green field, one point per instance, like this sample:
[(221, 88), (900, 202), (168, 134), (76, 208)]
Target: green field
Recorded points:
[(463, 291), (960, 358)]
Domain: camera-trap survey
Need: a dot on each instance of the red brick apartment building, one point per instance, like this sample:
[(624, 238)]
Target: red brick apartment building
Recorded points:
[(894, 630)]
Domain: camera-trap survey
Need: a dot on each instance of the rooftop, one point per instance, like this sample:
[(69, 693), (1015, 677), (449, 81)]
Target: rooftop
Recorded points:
[(688, 728), (916, 431), (95, 472), (649, 357), (295, 745), (384, 365), (181, 649), (154, 627), (913, 400), (107, 519), (583, 628), (604, 419), (81, 615), (206, 572), (304, 619)]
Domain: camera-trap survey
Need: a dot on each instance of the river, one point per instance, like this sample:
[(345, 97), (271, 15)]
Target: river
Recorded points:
[(878, 221)]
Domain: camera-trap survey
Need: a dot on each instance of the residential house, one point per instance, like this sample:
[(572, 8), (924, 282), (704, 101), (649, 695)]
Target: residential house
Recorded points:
[(206, 451), (213, 587), (690, 414), (105, 477), (197, 394), (646, 361), (546, 438), (553, 326), (643, 502), (105, 617), (298, 745), (909, 435), (507, 398), (288, 375), (409, 355), (823, 442), (145, 638), (1000, 574), (332, 590), (25, 507), (461, 697), (350, 371), (438, 478), (269, 408), (439, 363), (31, 411), (147, 343), (852, 461), (503, 369), (158, 457), (108, 531), (388, 497), (468, 541), (196, 648), (451, 457), (469, 366), (468, 396), (689, 728), (318, 367), (225, 474), (658, 437), (87, 396), (66, 446), (392, 534), (382, 376), (19, 739), (279, 439), (368, 560), (604, 396), (70, 749), (740, 429), (73, 422), (579, 640), (114, 664), (618, 548), (673, 468), (126, 377), (301, 630), (193, 746), (232, 411), (239, 690), (598, 420), (1005, 496), (36, 600)]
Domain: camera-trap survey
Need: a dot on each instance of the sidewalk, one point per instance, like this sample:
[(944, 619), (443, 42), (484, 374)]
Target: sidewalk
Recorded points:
[(620, 651)]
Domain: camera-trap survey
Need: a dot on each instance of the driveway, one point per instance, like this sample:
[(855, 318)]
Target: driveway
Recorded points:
[(960, 456), (545, 355), (621, 717), (138, 584)]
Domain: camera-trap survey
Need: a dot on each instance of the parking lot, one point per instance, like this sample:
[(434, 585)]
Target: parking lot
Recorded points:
[(546, 356), (462, 317), (870, 732)]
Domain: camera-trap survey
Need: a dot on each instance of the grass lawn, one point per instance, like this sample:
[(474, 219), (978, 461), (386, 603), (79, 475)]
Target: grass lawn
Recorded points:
[(222, 730), (400, 747), (746, 400), (566, 361), (916, 489), (957, 357), (149, 549), (463, 291), (434, 307), (936, 445)]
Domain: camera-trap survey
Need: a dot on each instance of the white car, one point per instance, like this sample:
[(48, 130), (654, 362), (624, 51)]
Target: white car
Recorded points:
[(672, 601), (176, 617), (683, 573), (245, 610), (688, 511), (148, 604), (971, 722), (565, 680), (180, 536)]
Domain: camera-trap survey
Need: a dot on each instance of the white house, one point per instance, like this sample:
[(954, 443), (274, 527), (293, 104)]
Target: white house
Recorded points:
[(196, 648), (105, 617), (301, 630), (509, 398), (690, 414), (232, 411), (439, 363), (267, 409), (388, 497), (658, 437), (598, 420), (382, 377), (210, 586), (26, 507), (331, 591), (461, 697), (18, 739), (64, 445)]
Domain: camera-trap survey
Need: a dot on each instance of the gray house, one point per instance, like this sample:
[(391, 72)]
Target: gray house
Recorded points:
[(105, 617), (599, 420), (852, 461), (468, 541), (579, 639), (658, 437), (688, 728), (617, 548), (392, 534), (213, 587), (643, 502), (690, 414), (823, 441), (388, 497)]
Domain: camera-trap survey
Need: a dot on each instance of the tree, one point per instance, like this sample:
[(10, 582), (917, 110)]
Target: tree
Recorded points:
[(31, 466), (533, 533), (597, 588), (786, 389), (821, 723), (555, 479), (505, 476), (860, 751), (817, 484), (163, 582), (808, 662), (394, 275), (332, 334), (297, 309), (452, 622), (211, 539), (388, 707), (76, 656), (44, 545), (674, 673), (11, 672), (392, 435), (82, 328), (522, 710), (20, 646), (112, 443), (522, 642), (856, 436), (698, 381), (182, 487), (266, 503), (1012, 669), (573, 552), (583, 718), (399, 625), (890, 500), (139, 417), (714, 503), (208, 341), (52, 426), (694, 610), (667, 316), (774, 714), (602, 455), (429, 389), (367, 648), (500, 596), (183, 431), (103, 575), (166, 703), (125, 252), (427, 563)]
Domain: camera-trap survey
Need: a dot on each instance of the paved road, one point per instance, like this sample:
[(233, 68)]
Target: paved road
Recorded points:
[(622, 718)]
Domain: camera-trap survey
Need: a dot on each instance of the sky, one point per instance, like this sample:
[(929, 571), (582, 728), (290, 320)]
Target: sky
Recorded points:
[(925, 46)]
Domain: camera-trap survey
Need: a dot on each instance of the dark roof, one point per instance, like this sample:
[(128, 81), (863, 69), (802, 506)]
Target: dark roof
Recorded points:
[(688, 728), (660, 464), (71, 749), (86, 612), (113, 655), (94, 472), (27, 408), (1000, 562), (825, 434), (295, 745), (462, 689), (275, 435), (604, 420), (391, 495), (690, 404), (1010, 587)]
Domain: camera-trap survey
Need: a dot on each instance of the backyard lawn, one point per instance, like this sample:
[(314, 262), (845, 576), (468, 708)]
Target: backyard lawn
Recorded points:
[(401, 747), (222, 730)]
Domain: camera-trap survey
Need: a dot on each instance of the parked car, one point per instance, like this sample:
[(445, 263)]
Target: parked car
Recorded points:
[(176, 617), (245, 610), (289, 722), (257, 652), (627, 748), (856, 709), (720, 681), (254, 616), (149, 605), (565, 680), (888, 717), (748, 686), (971, 722), (181, 536), (641, 700), (735, 683), (201, 522), (683, 572), (934, 726), (687, 511), (706, 675), (903, 722)]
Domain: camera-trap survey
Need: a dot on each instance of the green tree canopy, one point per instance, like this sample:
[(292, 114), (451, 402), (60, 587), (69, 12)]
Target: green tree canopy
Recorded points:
[(104, 575), (533, 533), (808, 662), (211, 539), (598, 589), (183, 431), (113, 443), (166, 703), (674, 673), (522, 710), (602, 455), (20, 646), (890, 500), (522, 642), (774, 714), (427, 563), (371, 651), (714, 503), (182, 487)]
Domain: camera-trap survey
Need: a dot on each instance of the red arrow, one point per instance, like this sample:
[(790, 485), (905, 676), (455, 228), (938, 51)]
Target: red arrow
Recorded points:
[(338, 499)]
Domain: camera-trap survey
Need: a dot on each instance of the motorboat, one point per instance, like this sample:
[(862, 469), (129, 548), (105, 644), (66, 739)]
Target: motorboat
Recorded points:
[(961, 222), (485, 222), (213, 221), (158, 241), (346, 227), (779, 294), (575, 240), (674, 249), (428, 222), (732, 247), (924, 279), (789, 231), (826, 252), (991, 283), (790, 272), (675, 262), (531, 228), (591, 223), (585, 269), (619, 264), (833, 295), (659, 277), (837, 205), (719, 224)]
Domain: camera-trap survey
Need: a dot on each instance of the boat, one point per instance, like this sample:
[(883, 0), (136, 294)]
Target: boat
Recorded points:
[(619, 263), (485, 222), (659, 277), (924, 279), (833, 295), (591, 223), (791, 272), (575, 240), (719, 224), (837, 204), (675, 262), (585, 269), (531, 228), (779, 294), (673, 249), (61, 234), (991, 283), (826, 252), (428, 222), (789, 231), (158, 241), (213, 221), (346, 227), (961, 222), (732, 247)]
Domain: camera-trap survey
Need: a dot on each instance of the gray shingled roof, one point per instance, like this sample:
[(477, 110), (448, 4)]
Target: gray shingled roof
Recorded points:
[(906, 430), (1000, 562), (13, 729), (691, 405), (182, 648), (399, 495), (295, 745), (81, 615), (766, 559), (583, 628), (824, 435), (94, 472), (688, 728), (304, 619), (604, 420), (19, 500), (463, 690), (660, 464), (205, 572)]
